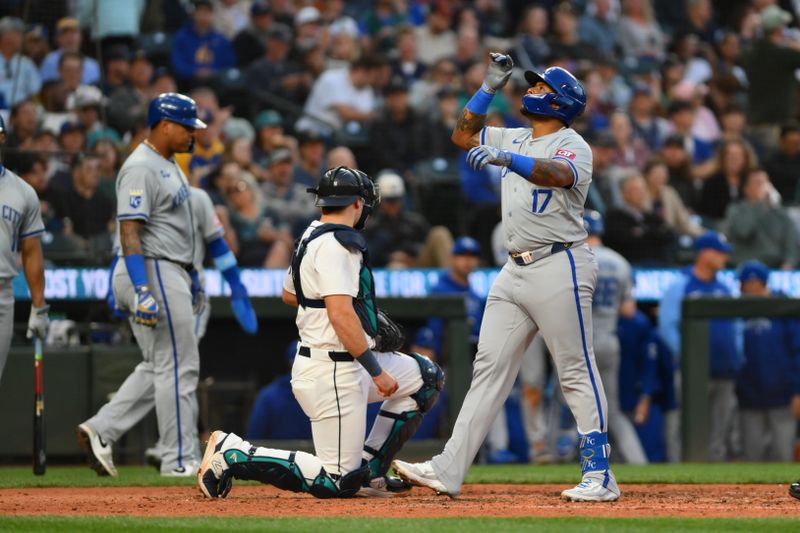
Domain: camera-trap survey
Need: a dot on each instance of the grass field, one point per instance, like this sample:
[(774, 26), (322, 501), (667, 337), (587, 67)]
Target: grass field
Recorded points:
[(78, 477)]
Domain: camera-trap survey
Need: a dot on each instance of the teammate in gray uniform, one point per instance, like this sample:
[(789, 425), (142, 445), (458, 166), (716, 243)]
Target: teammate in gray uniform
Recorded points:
[(21, 227), (547, 284), (156, 284), (612, 298)]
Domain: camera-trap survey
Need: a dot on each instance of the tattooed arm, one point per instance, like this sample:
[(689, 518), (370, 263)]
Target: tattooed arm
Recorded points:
[(129, 236), (467, 131), (551, 173)]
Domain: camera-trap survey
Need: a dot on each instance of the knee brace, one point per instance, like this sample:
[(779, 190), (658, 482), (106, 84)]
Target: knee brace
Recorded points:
[(432, 382), (594, 451)]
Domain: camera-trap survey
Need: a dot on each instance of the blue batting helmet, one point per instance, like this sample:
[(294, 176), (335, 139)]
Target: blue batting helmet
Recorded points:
[(567, 102), (175, 108), (593, 222)]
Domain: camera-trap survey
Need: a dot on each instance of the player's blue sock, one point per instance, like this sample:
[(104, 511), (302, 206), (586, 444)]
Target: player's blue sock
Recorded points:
[(593, 449)]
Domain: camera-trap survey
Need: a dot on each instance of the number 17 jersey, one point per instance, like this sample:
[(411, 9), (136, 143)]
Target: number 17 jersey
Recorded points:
[(536, 216)]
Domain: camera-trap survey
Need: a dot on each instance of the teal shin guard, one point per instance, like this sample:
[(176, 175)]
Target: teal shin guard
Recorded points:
[(404, 426)]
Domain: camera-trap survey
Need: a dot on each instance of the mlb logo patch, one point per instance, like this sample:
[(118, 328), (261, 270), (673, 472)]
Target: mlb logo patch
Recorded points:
[(565, 153), (135, 198)]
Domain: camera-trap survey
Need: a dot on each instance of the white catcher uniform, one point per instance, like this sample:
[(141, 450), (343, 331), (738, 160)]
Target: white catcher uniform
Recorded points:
[(552, 296), (20, 219), (153, 189)]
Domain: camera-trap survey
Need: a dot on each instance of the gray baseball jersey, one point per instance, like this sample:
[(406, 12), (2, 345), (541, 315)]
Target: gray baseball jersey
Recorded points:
[(206, 225), (20, 218), (614, 285), (155, 190), (535, 216)]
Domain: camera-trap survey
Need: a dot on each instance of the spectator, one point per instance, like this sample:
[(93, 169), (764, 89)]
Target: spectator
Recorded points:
[(682, 115), (730, 80), (704, 126), (380, 22), (733, 122), (768, 385), (734, 160), (199, 52), (468, 48), (647, 125), (286, 198), (639, 35), (240, 150), (24, 123), (758, 228), (129, 102), (679, 165), (442, 75), (207, 154), (86, 102), (269, 135), (248, 44), (341, 156), (72, 138), (434, 137), (90, 211), (109, 162), (630, 151), (700, 21), (435, 40), (264, 239), (339, 96), (69, 73), (19, 77), (665, 201), (641, 236), (725, 339), (396, 142), (35, 45), (230, 17), (274, 73), (407, 63), (598, 26), (566, 41), (309, 168), (68, 39), (784, 165), (531, 48), (111, 22), (399, 238), (770, 64), (606, 175), (345, 46), (116, 68), (307, 28)]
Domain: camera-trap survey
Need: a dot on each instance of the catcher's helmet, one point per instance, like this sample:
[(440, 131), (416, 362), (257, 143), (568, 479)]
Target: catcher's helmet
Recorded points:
[(569, 96), (342, 186), (175, 108), (593, 222)]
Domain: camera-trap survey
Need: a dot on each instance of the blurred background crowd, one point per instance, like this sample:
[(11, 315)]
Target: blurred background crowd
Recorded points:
[(691, 116)]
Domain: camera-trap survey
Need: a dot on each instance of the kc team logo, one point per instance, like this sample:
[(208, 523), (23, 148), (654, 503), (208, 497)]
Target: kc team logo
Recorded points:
[(135, 198)]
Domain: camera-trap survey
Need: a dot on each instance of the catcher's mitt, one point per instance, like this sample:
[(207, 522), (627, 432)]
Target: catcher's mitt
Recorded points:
[(390, 337)]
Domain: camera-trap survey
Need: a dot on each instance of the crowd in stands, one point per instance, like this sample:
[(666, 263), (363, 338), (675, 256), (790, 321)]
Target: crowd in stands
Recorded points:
[(691, 117)]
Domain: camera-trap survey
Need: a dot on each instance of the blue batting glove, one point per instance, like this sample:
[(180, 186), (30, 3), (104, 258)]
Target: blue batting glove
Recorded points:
[(483, 155), (243, 310), (146, 312)]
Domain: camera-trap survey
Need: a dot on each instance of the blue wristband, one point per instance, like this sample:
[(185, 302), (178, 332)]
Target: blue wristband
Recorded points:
[(522, 165), (136, 270), (479, 103), (370, 364)]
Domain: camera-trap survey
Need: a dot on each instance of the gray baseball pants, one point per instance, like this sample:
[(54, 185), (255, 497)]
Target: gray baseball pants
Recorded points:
[(6, 320)]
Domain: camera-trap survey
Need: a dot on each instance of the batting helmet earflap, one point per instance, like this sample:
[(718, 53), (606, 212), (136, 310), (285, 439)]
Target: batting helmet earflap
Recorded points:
[(593, 222), (342, 186), (569, 96), (176, 108)]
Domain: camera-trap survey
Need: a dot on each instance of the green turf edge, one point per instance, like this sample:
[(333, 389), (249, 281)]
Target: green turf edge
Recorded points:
[(396, 525), (139, 476)]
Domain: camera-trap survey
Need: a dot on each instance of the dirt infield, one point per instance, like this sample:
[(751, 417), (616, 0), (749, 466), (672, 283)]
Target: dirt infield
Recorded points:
[(477, 500)]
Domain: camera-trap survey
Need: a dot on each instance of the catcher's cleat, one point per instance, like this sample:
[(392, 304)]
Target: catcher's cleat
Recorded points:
[(98, 451), (384, 487), (421, 475), (794, 489), (594, 487), (213, 478)]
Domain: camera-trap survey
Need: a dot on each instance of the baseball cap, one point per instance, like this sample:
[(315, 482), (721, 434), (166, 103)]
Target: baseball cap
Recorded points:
[(391, 186), (307, 15), (674, 140), (752, 270), (466, 246), (396, 85), (259, 8), (280, 155), (280, 32), (68, 127), (309, 137), (267, 119), (604, 139), (11, 24), (425, 338), (66, 24), (712, 240), (87, 96), (773, 17)]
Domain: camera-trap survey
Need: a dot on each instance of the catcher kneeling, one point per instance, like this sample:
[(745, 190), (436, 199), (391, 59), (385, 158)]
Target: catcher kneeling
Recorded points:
[(336, 373)]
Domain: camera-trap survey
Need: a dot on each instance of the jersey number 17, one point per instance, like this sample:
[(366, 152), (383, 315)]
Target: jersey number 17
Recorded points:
[(541, 196)]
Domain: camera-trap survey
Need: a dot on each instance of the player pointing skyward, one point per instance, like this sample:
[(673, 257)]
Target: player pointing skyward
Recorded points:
[(547, 284)]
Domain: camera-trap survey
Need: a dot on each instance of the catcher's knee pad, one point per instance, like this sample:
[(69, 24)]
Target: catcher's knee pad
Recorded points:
[(282, 473), (432, 382), (403, 428)]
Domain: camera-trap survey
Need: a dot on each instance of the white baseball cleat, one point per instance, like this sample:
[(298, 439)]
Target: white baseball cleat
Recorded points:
[(593, 488), (189, 469), (420, 475), (212, 467), (99, 452)]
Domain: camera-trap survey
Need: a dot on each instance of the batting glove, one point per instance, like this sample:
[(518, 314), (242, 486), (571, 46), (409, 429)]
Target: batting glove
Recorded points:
[(483, 155), (498, 72), (38, 322), (146, 311), (198, 294), (243, 310)]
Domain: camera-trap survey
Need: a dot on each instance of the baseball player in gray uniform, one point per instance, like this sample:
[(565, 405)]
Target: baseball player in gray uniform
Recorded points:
[(336, 373), (21, 227), (547, 284), (155, 283), (612, 298)]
